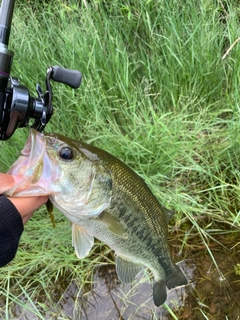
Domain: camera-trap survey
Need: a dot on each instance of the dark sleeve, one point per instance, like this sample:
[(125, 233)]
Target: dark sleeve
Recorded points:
[(11, 228)]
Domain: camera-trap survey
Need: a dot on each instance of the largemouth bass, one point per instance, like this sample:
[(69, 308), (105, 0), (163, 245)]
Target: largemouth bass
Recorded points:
[(103, 198)]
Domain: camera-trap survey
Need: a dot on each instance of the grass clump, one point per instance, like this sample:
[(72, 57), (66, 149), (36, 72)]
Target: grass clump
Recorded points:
[(157, 94)]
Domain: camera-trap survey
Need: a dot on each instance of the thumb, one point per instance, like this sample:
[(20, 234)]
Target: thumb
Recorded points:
[(6, 182)]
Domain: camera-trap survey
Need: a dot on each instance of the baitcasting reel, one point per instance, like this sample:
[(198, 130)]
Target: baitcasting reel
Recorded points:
[(16, 105)]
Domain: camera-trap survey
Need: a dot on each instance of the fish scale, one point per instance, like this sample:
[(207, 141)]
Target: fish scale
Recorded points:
[(142, 196), (104, 199), (147, 204)]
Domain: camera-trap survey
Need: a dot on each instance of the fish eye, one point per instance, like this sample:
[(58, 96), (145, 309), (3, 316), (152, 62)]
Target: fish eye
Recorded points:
[(66, 153)]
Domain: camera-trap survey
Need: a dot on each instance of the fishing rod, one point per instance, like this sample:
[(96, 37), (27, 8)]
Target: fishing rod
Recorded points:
[(16, 104)]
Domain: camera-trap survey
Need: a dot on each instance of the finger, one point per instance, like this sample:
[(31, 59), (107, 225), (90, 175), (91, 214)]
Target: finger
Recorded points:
[(7, 182), (27, 206)]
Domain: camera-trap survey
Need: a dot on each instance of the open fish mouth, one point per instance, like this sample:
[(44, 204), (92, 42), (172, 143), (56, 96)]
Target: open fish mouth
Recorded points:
[(30, 162), (34, 169)]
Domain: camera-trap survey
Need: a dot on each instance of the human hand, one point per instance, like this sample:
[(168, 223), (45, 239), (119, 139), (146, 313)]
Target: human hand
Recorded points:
[(6, 182), (25, 206)]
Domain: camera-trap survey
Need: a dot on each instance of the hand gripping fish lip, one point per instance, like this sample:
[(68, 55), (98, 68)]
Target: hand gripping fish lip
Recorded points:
[(33, 167)]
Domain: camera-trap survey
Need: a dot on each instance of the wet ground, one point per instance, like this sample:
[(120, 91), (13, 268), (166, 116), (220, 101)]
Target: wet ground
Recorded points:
[(212, 293), (129, 301)]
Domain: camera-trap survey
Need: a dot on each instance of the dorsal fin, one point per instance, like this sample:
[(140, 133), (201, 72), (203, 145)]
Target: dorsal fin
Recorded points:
[(168, 213)]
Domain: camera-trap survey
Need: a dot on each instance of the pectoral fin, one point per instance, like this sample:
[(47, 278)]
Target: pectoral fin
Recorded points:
[(112, 224), (81, 241), (126, 270)]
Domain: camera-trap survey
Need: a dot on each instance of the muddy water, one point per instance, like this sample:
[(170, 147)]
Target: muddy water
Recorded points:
[(212, 293), (111, 299)]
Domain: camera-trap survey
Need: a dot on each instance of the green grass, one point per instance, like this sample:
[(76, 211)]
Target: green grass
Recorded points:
[(156, 94)]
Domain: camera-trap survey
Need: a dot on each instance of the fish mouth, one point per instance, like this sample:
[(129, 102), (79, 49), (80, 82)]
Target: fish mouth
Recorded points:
[(34, 170), (33, 152)]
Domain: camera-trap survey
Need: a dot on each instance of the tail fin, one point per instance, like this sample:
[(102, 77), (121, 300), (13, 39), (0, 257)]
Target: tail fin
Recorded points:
[(177, 279), (159, 293)]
